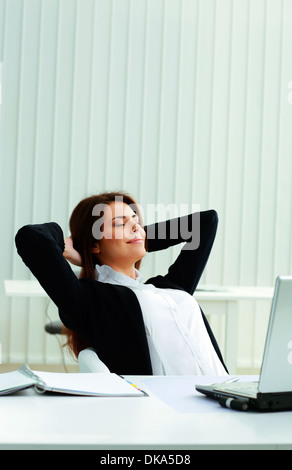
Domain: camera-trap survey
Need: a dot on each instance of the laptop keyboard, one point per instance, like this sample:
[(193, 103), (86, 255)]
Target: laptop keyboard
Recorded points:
[(248, 389)]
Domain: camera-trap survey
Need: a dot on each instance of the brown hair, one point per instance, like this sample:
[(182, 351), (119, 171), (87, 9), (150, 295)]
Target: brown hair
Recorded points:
[(81, 224)]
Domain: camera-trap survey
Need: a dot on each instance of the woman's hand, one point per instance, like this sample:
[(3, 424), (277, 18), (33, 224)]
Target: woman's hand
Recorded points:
[(70, 253)]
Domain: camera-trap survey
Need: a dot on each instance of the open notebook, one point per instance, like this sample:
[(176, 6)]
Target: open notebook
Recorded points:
[(88, 384)]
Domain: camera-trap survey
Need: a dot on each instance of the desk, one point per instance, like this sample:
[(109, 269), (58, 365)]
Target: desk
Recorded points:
[(212, 293), (23, 289), (208, 296), (32, 421)]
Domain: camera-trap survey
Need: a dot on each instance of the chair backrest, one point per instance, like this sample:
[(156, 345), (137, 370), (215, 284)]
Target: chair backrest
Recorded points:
[(54, 327), (89, 361)]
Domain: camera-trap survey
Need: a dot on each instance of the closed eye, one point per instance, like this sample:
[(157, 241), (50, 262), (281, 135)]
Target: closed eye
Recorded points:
[(123, 217)]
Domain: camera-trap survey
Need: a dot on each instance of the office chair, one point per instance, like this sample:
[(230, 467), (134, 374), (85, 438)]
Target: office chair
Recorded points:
[(89, 361), (54, 328)]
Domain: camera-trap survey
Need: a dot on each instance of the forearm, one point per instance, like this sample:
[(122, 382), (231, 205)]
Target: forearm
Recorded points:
[(193, 229), (199, 234)]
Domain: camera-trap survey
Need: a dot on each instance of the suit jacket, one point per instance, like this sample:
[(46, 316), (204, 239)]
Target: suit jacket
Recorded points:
[(107, 316)]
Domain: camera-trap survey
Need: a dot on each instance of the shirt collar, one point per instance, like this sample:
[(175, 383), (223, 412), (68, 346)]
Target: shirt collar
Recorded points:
[(105, 273)]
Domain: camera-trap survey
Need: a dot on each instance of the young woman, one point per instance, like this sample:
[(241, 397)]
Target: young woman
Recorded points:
[(136, 328)]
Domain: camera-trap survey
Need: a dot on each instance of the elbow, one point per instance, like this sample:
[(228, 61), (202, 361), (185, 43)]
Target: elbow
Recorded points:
[(210, 217), (212, 213), (22, 236), (214, 216)]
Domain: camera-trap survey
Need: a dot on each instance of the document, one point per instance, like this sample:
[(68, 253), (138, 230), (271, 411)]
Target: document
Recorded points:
[(88, 384)]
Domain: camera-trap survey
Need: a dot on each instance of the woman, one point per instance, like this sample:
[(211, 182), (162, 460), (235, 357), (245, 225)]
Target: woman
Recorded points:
[(135, 328)]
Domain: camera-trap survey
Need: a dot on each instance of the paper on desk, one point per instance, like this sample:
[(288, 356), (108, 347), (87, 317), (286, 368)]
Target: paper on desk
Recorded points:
[(97, 384), (13, 381), (87, 384), (179, 392)]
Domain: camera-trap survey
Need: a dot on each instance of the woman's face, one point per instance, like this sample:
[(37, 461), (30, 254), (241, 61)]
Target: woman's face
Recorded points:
[(123, 239)]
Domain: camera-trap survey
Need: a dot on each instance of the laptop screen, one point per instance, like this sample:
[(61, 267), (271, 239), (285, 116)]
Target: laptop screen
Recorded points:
[(276, 371)]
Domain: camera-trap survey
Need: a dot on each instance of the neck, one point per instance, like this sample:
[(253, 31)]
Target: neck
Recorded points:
[(127, 271)]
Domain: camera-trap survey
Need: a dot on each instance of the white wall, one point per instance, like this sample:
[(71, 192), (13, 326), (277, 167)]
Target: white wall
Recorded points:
[(176, 101)]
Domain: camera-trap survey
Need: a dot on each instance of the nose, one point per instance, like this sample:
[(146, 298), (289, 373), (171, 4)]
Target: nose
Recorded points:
[(134, 226)]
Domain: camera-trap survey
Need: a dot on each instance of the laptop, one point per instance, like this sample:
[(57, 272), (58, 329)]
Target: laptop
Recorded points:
[(273, 390)]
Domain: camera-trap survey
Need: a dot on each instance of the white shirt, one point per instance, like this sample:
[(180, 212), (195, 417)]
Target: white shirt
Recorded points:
[(178, 341)]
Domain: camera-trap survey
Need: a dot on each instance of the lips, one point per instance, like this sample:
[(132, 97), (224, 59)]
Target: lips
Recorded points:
[(135, 240)]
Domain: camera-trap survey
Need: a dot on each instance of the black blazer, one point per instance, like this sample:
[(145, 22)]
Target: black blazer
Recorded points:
[(107, 316)]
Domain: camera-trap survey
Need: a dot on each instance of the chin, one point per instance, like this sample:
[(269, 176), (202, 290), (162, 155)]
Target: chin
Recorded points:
[(141, 255)]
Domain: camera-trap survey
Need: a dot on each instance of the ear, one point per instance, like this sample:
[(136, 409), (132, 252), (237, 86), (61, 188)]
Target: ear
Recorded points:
[(96, 248)]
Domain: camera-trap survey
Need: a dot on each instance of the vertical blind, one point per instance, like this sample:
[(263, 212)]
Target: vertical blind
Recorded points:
[(178, 102)]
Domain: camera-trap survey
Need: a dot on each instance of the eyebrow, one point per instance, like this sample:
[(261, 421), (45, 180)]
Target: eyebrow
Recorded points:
[(124, 217)]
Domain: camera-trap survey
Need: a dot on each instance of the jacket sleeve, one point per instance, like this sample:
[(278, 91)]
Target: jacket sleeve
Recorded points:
[(198, 231), (41, 249)]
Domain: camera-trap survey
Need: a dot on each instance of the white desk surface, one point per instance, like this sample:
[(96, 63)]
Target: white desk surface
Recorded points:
[(174, 416), (32, 288)]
